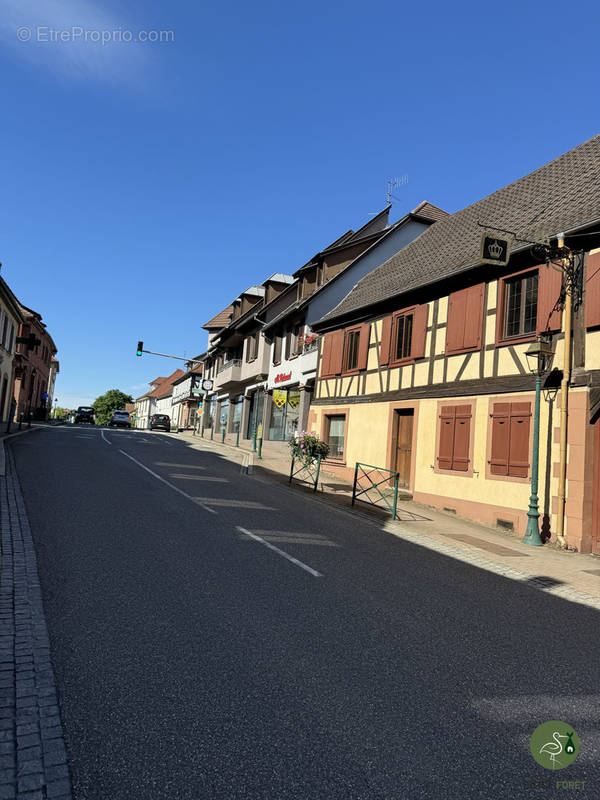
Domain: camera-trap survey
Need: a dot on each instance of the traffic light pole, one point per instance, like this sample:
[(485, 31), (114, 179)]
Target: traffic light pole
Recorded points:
[(190, 361)]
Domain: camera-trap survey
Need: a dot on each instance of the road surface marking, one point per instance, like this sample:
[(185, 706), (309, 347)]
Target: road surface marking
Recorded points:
[(280, 552), (227, 501), (175, 488), (181, 466), (183, 477), (104, 437)]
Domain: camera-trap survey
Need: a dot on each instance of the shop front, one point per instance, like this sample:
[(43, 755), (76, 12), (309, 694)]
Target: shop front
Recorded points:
[(285, 414)]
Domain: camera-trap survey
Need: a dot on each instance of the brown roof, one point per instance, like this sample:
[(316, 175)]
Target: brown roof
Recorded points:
[(130, 407), (562, 195), (165, 387), (222, 318), (430, 211)]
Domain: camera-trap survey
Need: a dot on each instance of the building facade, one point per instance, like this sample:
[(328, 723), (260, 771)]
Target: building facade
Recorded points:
[(423, 370), (33, 367), (11, 318)]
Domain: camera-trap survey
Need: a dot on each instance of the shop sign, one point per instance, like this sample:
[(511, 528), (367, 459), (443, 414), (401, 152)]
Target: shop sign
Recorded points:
[(283, 376)]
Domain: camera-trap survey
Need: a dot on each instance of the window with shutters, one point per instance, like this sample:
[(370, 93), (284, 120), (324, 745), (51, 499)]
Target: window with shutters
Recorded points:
[(351, 350), (529, 304), (520, 305), (509, 448), (465, 320), (403, 336), (454, 441)]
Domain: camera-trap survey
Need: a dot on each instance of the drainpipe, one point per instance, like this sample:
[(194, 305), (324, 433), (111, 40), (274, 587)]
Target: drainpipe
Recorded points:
[(564, 399)]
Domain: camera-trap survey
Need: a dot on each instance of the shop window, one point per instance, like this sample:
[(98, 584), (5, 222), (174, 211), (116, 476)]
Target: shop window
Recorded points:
[(255, 415), (455, 438), (285, 413), (510, 439), (336, 425), (236, 415)]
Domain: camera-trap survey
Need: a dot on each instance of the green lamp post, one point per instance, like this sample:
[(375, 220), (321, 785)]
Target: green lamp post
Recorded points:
[(539, 357)]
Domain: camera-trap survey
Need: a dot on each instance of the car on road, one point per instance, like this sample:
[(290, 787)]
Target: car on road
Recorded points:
[(120, 419), (84, 414), (160, 421)]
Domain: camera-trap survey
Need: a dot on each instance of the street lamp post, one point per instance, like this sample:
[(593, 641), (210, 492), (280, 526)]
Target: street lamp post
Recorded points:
[(539, 356)]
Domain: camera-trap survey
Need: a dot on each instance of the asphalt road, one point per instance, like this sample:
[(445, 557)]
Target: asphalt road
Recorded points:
[(194, 661)]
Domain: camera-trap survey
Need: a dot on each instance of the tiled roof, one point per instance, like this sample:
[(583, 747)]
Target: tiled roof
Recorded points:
[(430, 211), (165, 388), (220, 320), (559, 196)]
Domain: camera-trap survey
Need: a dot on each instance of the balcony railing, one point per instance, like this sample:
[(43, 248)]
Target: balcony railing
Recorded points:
[(234, 362)]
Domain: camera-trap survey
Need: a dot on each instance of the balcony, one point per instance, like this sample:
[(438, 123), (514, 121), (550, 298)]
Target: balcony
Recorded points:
[(228, 373)]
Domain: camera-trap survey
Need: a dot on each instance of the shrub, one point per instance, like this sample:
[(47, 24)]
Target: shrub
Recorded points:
[(307, 446)]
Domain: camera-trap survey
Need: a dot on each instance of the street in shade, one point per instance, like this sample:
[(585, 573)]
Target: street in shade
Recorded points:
[(217, 635)]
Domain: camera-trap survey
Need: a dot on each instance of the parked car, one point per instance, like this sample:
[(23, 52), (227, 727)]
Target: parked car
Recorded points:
[(120, 419), (160, 421), (84, 414)]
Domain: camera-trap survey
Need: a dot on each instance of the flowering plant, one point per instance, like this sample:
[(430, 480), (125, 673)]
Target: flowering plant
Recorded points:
[(307, 446)]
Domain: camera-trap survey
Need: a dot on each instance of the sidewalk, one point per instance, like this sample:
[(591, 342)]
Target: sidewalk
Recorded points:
[(574, 576)]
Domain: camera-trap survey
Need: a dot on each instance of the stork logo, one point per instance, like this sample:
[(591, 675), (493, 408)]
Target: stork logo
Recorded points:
[(554, 744)]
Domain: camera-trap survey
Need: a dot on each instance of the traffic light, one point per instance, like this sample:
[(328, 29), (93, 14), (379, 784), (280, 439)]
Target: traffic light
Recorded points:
[(140, 348)]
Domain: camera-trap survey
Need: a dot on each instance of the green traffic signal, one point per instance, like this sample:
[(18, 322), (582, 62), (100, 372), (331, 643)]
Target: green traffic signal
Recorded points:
[(140, 348)]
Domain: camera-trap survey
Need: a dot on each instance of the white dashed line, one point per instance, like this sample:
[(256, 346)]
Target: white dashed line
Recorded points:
[(175, 488), (280, 552)]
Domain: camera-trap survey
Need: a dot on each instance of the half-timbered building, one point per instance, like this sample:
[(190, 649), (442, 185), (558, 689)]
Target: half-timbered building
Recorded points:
[(422, 366)]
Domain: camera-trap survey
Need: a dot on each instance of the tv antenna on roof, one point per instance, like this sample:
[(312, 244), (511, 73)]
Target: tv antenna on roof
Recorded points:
[(394, 183)]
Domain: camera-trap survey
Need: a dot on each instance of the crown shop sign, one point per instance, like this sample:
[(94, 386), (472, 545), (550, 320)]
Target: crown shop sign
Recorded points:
[(494, 250)]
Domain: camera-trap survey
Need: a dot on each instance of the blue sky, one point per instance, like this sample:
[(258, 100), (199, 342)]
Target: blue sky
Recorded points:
[(144, 185)]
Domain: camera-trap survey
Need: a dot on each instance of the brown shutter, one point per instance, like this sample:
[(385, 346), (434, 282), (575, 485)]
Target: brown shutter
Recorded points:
[(462, 438), (592, 291), (473, 313), (455, 327), (549, 288), (386, 340), (325, 367), (518, 466), (337, 352), (363, 345), (419, 332), (446, 445), (500, 439)]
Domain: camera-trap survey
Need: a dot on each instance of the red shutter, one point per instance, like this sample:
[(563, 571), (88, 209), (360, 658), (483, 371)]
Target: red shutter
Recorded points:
[(446, 445), (462, 438), (419, 332), (337, 352), (325, 367), (474, 316), (363, 345), (592, 291), (549, 288), (386, 340), (455, 327), (500, 439), (518, 466)]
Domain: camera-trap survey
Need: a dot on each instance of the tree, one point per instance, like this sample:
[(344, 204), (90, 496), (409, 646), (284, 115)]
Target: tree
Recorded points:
[(107, 403)]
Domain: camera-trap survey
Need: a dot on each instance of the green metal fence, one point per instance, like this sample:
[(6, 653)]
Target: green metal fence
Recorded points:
[(309, 471), (377, 486)]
